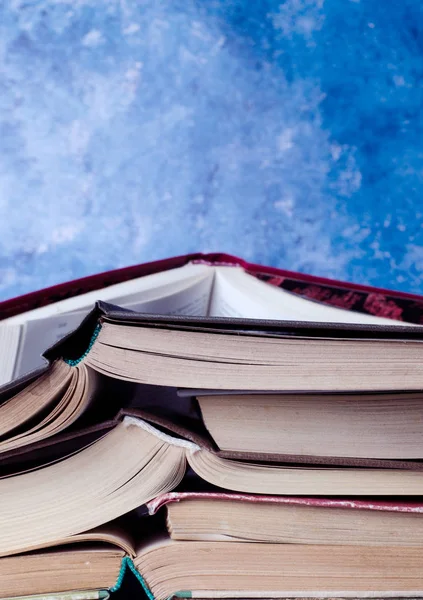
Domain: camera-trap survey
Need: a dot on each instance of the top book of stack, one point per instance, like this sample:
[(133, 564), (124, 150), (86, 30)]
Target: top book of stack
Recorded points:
[(283, 315)]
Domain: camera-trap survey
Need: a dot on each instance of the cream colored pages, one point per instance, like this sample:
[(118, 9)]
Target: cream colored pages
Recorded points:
[(9, 345), (385, 426), (128, 291), (244, 570), (189, 297), (238, 294), (23, 339)]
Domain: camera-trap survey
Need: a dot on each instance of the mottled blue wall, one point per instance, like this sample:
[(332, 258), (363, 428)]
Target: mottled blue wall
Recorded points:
[(286, 132)]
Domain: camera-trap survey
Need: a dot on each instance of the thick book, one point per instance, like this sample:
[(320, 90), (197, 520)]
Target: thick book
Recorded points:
[(135, 462), (378, 426), (341, 294), (204, 285), (249, 354), (57, 574), (223, 516), (227, 548), (165, 569)]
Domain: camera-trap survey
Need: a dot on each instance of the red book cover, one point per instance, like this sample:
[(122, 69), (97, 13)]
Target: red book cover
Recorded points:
[(375, 301)]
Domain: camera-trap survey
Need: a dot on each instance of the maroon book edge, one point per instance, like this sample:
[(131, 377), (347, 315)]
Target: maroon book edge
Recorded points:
[(26, 302)]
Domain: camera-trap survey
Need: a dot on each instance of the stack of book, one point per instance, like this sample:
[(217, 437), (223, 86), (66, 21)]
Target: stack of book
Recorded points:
[(211, 429)]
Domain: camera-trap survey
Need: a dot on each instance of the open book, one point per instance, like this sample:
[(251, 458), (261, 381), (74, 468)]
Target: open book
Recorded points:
[(196, 569), (209, 548), (135, 462), (194, 289)]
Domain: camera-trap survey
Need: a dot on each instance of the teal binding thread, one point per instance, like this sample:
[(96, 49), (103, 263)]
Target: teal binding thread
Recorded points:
[(128, 564), (94, 336)]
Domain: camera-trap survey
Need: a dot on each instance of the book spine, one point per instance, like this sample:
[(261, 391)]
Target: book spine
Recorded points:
[(128, 565), (164, 437)]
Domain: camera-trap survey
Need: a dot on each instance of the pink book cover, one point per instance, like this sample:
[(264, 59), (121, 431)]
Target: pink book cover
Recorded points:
[(349, 504)]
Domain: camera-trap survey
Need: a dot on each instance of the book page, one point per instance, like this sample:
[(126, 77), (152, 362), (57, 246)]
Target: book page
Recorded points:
[(232, 300), (192, 299), (10, 336), (116, 294), (40, 334), (238, 294), (186, 297)]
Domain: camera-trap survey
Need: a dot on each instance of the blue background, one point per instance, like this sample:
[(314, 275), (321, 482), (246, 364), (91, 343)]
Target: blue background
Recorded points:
[(289, 133)]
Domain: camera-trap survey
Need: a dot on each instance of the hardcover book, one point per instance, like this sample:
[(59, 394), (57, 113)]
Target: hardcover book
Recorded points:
[(213, 285)]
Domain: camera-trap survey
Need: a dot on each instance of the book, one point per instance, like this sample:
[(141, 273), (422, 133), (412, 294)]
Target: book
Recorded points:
[(56, 574), (360, 298), (198, 561), (221, 353), (213, 290), (82, 567), (220, 570), (178, 413), (383, 425), (47, 406), (135, 462), (245, 354), (228, 517), (248, 570), (206, 353)]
